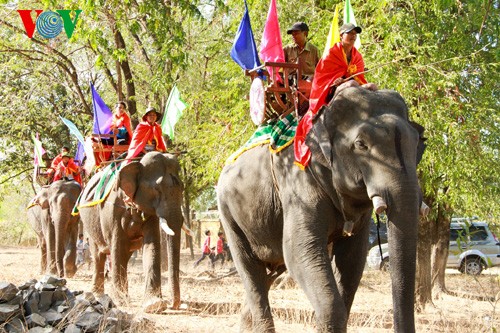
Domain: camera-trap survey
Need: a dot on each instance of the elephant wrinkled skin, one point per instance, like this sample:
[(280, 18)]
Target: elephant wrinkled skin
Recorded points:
[(276, 215), (55, 227), (114, 228)]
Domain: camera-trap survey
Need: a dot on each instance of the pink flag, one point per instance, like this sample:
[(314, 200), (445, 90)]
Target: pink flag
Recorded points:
[(271, 47)]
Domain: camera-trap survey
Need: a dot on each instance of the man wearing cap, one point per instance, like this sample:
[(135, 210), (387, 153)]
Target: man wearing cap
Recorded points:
[(306, 53), (342, 65), (147, 135), (342, 62)]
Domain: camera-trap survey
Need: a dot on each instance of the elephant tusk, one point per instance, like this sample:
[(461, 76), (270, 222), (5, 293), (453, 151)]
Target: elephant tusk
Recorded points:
[(188, 231), (166, 228), (379, 204), (424, 209)]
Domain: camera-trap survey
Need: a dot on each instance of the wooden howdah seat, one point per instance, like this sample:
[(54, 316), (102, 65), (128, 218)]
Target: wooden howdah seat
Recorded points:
[(106, 148), (283, 95)]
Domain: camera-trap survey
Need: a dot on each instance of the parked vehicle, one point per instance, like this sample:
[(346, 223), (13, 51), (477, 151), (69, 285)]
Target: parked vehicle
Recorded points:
[(374, 235), (473, 247)]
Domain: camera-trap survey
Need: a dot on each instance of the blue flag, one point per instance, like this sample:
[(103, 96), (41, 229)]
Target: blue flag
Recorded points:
[(102, 115), (73, 129), (244, 52)]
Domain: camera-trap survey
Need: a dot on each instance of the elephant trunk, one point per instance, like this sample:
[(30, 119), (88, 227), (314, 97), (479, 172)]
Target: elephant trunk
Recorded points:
[(403, 215)]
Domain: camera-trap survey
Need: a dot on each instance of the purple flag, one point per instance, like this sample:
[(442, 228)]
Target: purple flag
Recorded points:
[(102, 115), (80, 153)]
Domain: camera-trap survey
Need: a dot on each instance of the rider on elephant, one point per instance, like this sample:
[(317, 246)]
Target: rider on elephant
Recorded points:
[(147, 136), (67, 169), (341, 63)]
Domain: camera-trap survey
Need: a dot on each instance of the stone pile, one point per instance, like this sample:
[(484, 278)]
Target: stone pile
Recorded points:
[(48, 306)]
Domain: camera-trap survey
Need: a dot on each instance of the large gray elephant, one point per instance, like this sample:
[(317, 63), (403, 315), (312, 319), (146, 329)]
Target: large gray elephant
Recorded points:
[(57, 230), (275, 215), (146, 194)]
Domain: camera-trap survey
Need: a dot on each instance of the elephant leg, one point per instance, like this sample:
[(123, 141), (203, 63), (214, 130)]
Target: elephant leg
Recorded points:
[(98, 276), (151, 257), (253, 273), (174, 245), (349, 262), (246, 318), (51, 249), (43, 254), (306, 257), (119, 262)]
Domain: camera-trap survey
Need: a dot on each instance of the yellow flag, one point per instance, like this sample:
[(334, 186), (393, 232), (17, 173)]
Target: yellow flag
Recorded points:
[(333, 35)]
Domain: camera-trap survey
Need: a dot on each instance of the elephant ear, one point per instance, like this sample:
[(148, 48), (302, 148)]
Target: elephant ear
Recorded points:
[(128, 178), (321, 135), (421, 140), (42, 198)]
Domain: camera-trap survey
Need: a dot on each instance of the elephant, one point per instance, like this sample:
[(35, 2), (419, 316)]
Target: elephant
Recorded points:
[(57, 230), (277, 216), (146, 194)]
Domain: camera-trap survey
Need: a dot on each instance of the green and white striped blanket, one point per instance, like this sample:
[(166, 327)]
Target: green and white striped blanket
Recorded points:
[(278, 133)]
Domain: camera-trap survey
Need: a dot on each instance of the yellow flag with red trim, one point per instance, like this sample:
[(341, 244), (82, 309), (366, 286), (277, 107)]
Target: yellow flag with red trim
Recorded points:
[(333, 35)]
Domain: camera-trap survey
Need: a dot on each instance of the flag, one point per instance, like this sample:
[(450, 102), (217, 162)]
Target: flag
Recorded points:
[(271, 47), (349, 18), (81, 141), (173, 111), (244, 50), (333, 35), (102, 115), (73, 130), (38, 151), (80, 153)]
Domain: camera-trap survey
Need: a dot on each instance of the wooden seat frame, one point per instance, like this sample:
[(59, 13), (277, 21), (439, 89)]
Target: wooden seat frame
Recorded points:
[(282, 98)]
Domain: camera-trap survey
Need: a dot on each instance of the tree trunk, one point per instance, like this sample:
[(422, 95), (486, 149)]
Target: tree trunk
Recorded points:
[(423, 290), (186, 207), (441, 233)]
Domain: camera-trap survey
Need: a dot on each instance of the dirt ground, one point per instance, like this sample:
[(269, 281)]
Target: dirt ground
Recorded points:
[(212, 305)]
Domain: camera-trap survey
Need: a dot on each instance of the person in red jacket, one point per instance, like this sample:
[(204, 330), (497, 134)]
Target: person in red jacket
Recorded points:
[(219, 249), (67, 169), (121, 124), (147, 136), (342, 65), (205, 250)]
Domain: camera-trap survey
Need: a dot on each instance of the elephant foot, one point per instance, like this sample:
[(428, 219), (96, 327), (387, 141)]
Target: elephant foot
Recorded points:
[(154, 305)]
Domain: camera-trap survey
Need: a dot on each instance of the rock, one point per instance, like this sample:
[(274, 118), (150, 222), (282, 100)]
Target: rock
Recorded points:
[(155, 305), (36, 320), (44, 330), (53, 317), (15, 325), (9, 311), (45, 300), (106, 302), (89, 321), (27, 284), (72, 328), (7, 291), (54, 280), (87, 296)]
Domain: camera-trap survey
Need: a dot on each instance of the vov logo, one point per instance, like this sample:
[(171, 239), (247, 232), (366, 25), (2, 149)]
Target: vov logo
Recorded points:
[(49, 24)]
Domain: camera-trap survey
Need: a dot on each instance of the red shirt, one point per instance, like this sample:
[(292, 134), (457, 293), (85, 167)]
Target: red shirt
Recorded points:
[(144, 134), (122, 121), (220, 245), (206, 245)]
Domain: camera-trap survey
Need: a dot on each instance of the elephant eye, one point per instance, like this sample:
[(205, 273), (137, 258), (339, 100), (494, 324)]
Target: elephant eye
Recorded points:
[(359, 144)]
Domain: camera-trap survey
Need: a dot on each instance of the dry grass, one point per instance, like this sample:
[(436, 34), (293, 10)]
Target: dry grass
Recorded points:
[(213, 306)]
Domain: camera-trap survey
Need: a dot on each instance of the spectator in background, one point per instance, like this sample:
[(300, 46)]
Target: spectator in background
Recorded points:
[(205, 250), (219, 250)]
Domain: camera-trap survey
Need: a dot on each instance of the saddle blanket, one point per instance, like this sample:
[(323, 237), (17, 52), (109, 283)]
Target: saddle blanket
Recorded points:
[(277, 133)]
